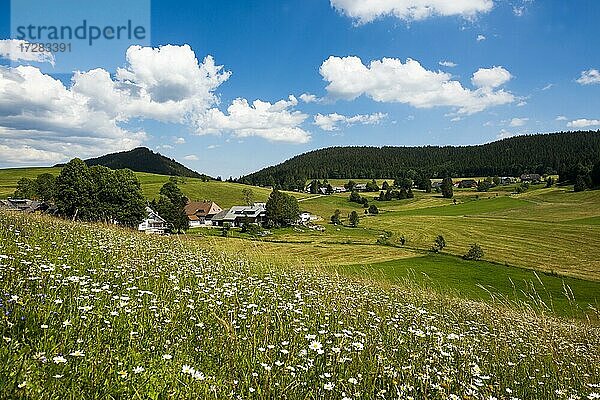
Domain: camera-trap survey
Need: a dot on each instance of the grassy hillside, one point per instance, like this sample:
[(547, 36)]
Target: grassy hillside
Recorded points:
[(481, 280), (442, 273), (10, 176), (99, 312), (549, 230), (224, 193), (552, 230)]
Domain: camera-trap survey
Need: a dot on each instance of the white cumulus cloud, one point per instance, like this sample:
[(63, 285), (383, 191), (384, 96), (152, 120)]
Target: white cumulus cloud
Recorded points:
[(168, 83), (583, 123), (363, 11), (589, 77), (504, 134), (17, 50), (277, 122), (39, 114), (191, 157), (480, 38), (491, 77), (518, 122), (309, 98), (391, 80), (331, 122), (519, 10), (449, 64)]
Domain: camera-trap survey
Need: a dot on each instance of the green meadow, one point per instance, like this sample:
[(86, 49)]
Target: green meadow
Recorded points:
[(98, 311), (10, 176), (101, 312), (540, 246), (224, 193)]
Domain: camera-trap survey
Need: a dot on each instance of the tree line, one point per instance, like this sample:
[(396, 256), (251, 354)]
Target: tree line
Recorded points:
[(87, 193), (544, 154), (101, 194)]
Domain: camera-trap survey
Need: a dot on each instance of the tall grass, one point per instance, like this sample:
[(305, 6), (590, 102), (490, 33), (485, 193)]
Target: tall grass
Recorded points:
[(99, 312)]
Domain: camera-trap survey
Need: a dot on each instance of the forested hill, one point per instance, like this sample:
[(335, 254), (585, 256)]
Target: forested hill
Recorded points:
[(142, 159), (543, 154)]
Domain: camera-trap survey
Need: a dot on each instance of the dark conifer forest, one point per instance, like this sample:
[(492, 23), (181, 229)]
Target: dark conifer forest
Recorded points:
[(568, 154), (142, 159)]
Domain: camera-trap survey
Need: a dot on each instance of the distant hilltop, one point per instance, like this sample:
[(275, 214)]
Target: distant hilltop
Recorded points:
[(555, 153), (142, 159)]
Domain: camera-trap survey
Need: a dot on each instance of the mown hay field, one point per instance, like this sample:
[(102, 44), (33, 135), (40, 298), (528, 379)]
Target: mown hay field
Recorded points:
[(551, 230)]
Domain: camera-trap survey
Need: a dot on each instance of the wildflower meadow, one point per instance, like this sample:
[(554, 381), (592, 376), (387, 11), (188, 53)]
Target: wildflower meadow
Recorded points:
[(97, 312)]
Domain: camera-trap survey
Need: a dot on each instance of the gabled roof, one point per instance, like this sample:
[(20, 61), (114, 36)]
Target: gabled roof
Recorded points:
[(252, 211), (151, 214), (530, 176), (21, 204), (220, 216), (201, 208)]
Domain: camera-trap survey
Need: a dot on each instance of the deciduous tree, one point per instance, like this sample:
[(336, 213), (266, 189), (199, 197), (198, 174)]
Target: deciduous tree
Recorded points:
[(447, 188), (282, 209), (353, 219)]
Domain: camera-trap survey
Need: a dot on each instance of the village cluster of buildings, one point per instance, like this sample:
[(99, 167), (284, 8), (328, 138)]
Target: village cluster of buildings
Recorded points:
[(504, 180), (199, 214), (465, 183), (207, 214), (360, 187), (210, 214)]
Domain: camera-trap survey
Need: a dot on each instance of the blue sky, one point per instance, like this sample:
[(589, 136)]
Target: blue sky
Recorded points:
[(538, 63)]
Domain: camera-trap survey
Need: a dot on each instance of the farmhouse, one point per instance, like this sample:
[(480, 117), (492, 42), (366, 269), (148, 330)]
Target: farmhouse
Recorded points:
[(23, 205), (507, 180), (361, 187), (239, 215), (531, 178), (467, 183), (153, 223), (339, 189), (306, 217), (201, 213)]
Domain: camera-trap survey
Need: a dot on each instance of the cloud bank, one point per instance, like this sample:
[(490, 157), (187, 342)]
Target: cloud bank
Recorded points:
[(583, 123), (44, 121), (276, 122), (363, 12), (390, 80), (11, 49), (331, 122)]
